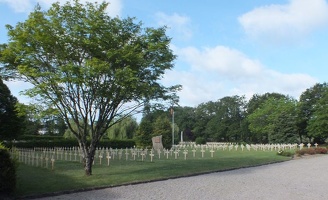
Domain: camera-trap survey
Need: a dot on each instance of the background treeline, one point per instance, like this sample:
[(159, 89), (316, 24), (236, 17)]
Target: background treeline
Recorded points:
[(264, 118)]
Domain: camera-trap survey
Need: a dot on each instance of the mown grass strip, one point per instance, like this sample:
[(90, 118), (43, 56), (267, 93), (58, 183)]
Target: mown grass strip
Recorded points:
[(69, 176)]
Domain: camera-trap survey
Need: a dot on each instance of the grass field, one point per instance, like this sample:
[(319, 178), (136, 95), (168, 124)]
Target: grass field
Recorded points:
[(69, 175)]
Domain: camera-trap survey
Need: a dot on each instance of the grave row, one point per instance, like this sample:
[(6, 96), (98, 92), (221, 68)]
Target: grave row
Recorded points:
[(44, 157)]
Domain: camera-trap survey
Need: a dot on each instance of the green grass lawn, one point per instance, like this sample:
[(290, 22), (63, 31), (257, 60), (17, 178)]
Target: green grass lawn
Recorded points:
[(69, 175)]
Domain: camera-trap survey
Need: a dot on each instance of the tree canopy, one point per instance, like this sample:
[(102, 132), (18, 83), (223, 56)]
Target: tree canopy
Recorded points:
[(94, 69), (10, 126), (275, 120)]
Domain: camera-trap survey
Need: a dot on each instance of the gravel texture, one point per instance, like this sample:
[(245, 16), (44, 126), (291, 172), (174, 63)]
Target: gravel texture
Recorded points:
[(305, 178)]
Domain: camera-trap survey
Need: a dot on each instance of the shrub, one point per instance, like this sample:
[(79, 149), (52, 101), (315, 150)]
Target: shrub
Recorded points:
[(321, 150), (310, 151), (300, 152), (7, 173), (200, 140), (285, 153)]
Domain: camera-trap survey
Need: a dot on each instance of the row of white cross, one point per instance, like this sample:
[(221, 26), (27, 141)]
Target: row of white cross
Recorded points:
[(44, 156)]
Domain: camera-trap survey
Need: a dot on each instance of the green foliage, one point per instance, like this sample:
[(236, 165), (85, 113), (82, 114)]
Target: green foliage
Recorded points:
[(124, 129), (200, 140), (310, 104), (144, 133), (46, 143), (267, 118), (7, 173), (39, 137), (88, 66), (286, 153), (274, 121), (220, 120), (163, 127), (30, 118), (117, 144), (185, 119), (74, 128), (318, 123), (11, 125), (51, 143)]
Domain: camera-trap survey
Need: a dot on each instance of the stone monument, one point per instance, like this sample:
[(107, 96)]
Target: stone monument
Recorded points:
[(157, 143)]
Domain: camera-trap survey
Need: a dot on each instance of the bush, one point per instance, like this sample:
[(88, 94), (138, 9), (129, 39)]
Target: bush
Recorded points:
[(301, 152), (321, 150), (309, 151), (200, 140), (7, 173), (285, 153)]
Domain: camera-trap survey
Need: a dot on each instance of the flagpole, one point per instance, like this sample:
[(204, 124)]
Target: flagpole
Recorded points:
[(172, 112)]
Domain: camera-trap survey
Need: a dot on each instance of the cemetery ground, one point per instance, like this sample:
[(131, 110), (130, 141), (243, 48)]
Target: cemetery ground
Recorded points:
[(39, 179)]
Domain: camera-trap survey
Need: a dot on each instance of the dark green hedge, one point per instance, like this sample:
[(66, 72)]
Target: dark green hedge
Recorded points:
[(40, 137), (7, 173), (70, 143)]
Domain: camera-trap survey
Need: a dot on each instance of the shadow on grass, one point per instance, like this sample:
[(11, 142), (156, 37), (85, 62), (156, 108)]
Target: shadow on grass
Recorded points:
[(35, 182)]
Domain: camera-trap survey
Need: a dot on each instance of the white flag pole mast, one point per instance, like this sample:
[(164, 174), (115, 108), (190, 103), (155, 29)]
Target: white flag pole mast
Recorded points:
[(172, 112)]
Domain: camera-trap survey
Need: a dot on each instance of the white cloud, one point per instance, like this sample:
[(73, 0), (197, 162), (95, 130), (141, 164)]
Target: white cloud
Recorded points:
[(178, 24), (19, 5), (220, 71), (114, 8), (282, 23), (222, 60)]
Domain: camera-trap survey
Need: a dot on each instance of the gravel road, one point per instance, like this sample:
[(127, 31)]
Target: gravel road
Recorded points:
[(305, 178)]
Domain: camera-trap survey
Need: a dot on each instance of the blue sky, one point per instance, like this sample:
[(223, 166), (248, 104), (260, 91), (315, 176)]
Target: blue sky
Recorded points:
[(225, 47)]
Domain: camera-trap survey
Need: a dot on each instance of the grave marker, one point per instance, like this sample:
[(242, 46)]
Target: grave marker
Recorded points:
[(134, 153), (212, 151), (142, 155), (185, 152), (176, 154), (100, 158), (167, 153), (151, 155), (194, 152), (108, 157), (52, 163), (203, 151), (126, 154), (47, 159)]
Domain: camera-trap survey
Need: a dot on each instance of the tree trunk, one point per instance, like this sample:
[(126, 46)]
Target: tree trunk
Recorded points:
[(88, 153), (88, 161)]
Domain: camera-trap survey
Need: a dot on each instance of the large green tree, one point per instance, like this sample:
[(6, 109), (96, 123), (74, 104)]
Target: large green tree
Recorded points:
[(226, 121), (10, 122), (308, 103), (185, 119), (253, 104), (96, 70), (275, 121), (162, 126), (318, 123)]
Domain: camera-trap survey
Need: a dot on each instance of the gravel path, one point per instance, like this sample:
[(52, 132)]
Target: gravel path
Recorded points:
[(305, 178)]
